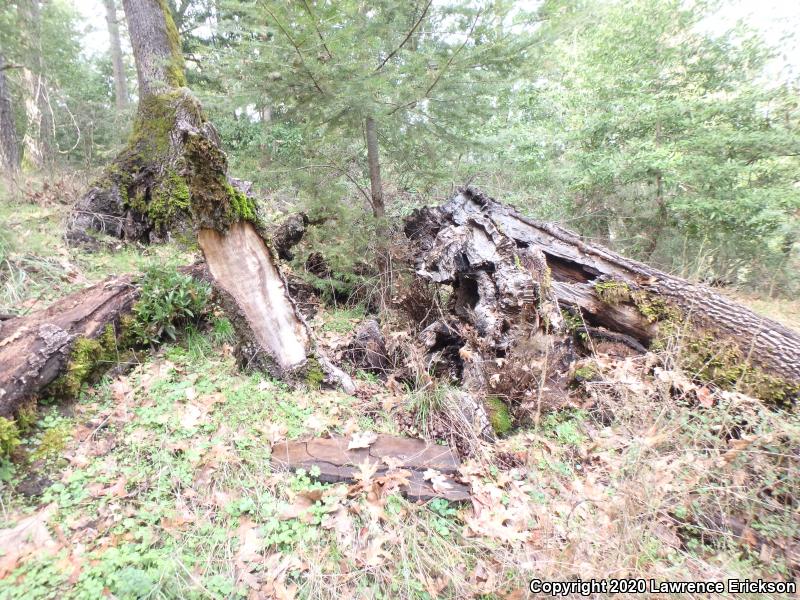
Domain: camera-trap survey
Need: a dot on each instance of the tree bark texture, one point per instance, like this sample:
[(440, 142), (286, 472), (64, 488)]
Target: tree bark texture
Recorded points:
[(38, 139), (9, 150), (117, 64), (36, 349), (156, 47), (468, 242), (172, 179), (374, 163)]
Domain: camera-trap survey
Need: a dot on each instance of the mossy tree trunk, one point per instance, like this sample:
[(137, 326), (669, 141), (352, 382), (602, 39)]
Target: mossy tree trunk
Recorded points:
[(172, 178), (144, 194), (508, 270)]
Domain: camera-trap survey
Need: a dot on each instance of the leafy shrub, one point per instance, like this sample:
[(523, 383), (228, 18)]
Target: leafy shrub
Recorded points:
[(168, 300)]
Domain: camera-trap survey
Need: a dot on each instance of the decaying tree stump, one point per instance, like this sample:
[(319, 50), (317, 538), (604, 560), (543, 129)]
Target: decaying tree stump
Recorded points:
[(172, 178), (502, 337), (288, 234), (368, 348), (507, 270)]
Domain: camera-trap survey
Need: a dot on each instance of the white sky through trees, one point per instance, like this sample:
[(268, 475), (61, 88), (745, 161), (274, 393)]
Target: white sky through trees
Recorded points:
[(777, 20)]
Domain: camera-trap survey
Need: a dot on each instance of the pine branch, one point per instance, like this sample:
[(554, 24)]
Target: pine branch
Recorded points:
[(316, 28), (443, 70), (297, 49), (408, 36)]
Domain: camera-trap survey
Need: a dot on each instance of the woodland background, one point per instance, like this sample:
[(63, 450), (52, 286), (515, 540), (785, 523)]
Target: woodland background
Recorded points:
[(631, 122)]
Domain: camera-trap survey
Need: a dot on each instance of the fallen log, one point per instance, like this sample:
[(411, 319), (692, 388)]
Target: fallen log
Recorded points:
[(491, 255), (56, 350), (37, 349)]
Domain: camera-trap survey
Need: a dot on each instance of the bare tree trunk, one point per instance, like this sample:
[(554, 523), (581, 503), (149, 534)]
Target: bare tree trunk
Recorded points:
[(120, 81), (9, 151), (38, 139), (376, 186)]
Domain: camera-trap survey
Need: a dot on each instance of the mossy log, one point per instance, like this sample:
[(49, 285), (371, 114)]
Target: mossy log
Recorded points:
[(65, 341), (56, 350), (485, 250)]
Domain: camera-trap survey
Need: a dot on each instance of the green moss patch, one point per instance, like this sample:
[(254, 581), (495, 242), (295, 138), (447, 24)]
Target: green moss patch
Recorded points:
[(169, 200), (175, 69), (88, 359), (499, 415), (722, 363), (9, 437), (53, 442), (613, 292), (314, 375), (655, 308)]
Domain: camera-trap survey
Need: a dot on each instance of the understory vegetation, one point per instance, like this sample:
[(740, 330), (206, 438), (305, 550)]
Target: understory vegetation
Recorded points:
[(157, 482)]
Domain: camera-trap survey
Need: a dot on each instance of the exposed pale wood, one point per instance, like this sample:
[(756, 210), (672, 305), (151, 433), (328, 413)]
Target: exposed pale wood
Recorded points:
[(336, 463), (243, 266)]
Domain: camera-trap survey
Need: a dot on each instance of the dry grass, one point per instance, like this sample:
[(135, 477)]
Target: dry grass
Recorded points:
[(164, 487)]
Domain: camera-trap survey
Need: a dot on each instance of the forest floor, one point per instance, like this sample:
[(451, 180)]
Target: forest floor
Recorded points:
[(157, 483)]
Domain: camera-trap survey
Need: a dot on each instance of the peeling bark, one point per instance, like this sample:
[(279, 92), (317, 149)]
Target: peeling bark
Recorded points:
[(483, 249)]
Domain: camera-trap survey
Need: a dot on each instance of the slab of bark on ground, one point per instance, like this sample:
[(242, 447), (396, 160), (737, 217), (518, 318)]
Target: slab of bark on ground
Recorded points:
[(337, 463)]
